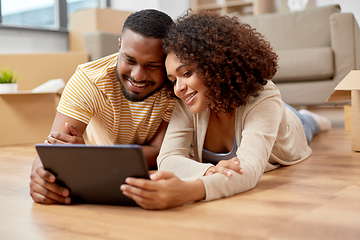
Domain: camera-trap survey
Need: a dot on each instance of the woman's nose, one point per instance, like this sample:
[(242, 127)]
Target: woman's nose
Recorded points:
[(179, 86)]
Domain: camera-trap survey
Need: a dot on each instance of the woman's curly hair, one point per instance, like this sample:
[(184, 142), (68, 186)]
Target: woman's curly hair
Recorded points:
[(233, 60)]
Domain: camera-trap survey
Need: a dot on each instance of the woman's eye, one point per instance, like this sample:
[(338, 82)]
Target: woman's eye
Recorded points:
[(187, 74)]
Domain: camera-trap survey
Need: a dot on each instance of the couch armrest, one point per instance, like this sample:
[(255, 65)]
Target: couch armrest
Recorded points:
[(100, 44), (345, 42)]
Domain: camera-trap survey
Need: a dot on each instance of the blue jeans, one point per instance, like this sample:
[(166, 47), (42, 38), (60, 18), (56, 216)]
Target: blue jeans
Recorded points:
[(311, 127)]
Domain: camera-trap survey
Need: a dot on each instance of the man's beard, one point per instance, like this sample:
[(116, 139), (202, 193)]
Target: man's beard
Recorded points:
[(133, 97)]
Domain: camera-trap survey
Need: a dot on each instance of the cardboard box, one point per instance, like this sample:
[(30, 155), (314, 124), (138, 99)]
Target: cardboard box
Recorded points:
[(94, 19), (347, 116), (35, 69), (349, 88), (26, 117)]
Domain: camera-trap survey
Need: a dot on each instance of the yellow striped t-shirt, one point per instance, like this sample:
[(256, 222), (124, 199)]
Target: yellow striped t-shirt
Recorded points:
[(94, 90)]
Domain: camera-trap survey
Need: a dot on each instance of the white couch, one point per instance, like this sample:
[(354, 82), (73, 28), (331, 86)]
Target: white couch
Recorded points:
[(317, 48)]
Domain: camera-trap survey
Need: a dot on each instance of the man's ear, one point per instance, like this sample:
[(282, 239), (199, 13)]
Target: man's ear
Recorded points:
[(119, 43)]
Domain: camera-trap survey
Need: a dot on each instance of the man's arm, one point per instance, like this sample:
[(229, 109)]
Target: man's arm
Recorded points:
[(72, 135), (43, 188), (66, 130), (151, 150)]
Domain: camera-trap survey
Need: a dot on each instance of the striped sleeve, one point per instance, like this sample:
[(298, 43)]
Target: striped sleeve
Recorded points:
[(167, 104), (169, 109), (77, 100)]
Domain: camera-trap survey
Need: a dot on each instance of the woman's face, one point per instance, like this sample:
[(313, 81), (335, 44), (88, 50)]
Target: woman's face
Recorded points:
[(187, 85)]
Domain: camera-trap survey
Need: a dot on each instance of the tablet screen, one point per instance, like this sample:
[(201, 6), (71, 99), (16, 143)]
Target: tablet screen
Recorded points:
[(93, 174)]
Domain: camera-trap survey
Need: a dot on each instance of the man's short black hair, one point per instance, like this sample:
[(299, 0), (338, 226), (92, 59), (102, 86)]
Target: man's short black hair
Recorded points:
[(149, 23)]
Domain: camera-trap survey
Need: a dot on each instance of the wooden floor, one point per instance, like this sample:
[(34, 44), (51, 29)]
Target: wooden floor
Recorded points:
[(316, 199)]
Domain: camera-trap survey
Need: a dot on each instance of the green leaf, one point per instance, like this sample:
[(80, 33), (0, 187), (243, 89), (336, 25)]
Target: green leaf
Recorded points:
[(7, 76)]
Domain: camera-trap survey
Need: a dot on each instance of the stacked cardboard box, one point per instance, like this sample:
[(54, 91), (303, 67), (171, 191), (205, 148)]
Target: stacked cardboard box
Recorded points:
[(94, 19), (26, 117), (349, 88)]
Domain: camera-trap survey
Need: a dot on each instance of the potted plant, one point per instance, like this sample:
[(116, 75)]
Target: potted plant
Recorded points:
[(8, 81)]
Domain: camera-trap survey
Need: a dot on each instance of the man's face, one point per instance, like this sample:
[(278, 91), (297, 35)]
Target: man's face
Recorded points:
[(140, 68)]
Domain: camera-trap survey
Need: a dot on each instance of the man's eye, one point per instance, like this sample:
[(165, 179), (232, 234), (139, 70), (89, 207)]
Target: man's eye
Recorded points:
[(155, 66), (129, 61)]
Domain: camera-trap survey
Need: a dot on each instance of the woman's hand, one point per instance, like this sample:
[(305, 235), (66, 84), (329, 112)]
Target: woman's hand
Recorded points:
[(164, 190), (224, 167)]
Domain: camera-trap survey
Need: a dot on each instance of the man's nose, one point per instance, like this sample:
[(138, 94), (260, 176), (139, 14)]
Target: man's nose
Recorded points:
[(138, 73)]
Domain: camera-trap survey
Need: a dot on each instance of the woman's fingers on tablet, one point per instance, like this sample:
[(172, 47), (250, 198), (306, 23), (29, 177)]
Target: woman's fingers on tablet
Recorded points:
[(140, 183), (137, 194), (141, 201)]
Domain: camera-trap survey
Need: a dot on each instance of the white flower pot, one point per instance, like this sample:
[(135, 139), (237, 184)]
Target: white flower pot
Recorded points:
[(8, 87)]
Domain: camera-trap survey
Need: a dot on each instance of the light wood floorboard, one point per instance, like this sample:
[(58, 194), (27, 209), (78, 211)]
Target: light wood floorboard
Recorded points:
[(316, 199)]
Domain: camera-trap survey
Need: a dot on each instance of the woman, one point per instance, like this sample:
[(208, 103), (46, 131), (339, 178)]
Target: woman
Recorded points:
[(229, 125)]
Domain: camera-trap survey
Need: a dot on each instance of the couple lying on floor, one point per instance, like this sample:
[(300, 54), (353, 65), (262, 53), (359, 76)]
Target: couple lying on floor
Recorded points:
[(229, 124)]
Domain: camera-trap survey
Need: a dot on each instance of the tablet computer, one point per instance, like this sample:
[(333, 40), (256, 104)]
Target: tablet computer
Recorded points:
[(93, 174)]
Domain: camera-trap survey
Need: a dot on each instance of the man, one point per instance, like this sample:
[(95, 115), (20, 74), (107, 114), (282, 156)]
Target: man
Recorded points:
[(121, 96)]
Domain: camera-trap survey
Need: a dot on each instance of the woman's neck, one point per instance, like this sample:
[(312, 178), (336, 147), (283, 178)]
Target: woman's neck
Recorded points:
[(220, 133), (222, 117)]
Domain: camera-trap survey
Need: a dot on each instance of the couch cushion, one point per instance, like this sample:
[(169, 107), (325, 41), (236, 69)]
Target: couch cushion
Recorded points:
[(305, 29), (306, 64)]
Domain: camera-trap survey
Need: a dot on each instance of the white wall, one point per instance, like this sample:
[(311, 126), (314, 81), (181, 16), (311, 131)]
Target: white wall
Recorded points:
[(134, 5), (352, 6), (172, 7), (27, 41)]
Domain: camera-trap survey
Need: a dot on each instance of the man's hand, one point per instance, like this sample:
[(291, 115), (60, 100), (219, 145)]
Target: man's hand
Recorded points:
[(43, 188), (164, 190), (75, 137), (224, 167)]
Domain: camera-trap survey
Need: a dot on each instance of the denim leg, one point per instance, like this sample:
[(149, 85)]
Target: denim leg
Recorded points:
[(311, 127)]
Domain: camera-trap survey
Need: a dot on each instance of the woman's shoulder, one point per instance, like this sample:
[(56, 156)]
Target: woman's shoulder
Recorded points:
[(269, 91), (270, 88)]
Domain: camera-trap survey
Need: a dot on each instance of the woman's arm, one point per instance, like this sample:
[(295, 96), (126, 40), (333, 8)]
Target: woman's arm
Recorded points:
[(176, 151), (165, 190), (260, 125), (259, 128)]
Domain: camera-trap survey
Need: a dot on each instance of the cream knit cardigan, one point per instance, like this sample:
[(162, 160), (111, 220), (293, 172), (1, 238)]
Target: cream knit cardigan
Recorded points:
[(267, 134)]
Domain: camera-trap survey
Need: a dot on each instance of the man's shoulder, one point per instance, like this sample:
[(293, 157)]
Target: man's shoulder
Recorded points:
[(101, 62), (97, 68)]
